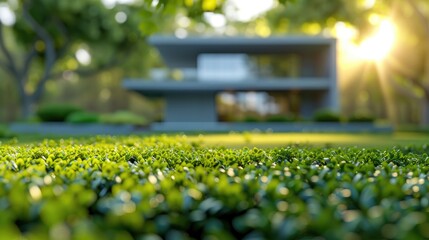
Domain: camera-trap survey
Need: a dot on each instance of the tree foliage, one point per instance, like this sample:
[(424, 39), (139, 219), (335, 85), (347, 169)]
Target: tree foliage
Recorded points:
[(405, 71), (41, 45), (407, 67)]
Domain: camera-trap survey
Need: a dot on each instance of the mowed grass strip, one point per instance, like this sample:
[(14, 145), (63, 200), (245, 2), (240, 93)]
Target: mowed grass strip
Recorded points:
[(255, 139), (268, 139)]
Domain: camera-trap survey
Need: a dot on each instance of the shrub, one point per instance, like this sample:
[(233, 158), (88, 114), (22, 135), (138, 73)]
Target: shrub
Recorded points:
[(57, 112), (5, 133), (251, 119), (82, 117), (326, 115), (361, 118), (280, 118), (123, 117)]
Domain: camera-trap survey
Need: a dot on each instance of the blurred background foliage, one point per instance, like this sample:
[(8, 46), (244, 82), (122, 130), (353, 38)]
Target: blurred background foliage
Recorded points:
[(79, 51)]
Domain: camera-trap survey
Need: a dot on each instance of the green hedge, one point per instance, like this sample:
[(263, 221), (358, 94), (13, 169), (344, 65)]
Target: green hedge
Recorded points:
[(251, 119), (123, 117), (82, 117), (5, 132), (326, 115), (361, 118), (280, 118), (169, 188), (56, 112)]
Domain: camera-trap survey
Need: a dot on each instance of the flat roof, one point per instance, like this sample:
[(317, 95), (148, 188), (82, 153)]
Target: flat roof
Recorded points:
[(160, 88), (182, 53)]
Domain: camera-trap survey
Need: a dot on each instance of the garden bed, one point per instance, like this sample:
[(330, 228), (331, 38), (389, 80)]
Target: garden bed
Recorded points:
[(70, 129), (270, 126), (124, 129)]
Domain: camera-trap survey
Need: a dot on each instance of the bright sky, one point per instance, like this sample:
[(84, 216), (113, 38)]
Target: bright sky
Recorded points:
[(368, 3), (246, 10), (6, 15), (83, 56), (112, 3), (239, 10)]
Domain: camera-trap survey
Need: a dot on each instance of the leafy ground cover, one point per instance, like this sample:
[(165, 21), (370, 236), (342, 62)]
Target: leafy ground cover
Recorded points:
[(159, 187)]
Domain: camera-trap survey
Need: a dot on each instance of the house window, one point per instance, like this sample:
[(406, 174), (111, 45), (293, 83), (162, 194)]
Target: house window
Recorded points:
[(280, 66), (258, 106), (223, 67)]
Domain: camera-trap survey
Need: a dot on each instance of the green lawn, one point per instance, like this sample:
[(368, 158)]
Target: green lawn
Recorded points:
[(316, 139), (264, 140)]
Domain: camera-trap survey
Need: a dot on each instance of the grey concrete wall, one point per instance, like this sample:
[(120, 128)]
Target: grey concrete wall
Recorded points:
[(194, 107)]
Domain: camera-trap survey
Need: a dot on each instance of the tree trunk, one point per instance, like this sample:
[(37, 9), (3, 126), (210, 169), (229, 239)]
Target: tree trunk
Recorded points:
[(27, 107), (424, 114), (424, 117), (26, 100)]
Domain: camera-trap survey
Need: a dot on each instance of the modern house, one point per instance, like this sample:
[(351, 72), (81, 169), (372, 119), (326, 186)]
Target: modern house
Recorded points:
[(292, 75)]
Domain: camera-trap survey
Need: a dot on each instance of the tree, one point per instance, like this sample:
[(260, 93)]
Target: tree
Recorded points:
[(409, 63), (405, 71), (48, 37)]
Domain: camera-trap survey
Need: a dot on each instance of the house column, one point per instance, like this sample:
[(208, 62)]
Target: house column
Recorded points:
[(190, 107), (333, 96)]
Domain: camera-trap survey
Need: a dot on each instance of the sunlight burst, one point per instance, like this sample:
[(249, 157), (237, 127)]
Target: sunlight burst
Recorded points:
[(378, 46)]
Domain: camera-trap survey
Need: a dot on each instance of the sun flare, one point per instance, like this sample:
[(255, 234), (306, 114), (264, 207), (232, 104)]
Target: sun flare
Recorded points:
[(379, 45)]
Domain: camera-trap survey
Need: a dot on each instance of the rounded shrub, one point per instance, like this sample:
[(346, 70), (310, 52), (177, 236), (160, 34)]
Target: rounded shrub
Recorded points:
[(326, 115), (5, 132), (82, 117), (123, 117), (280, 118), (362, 118), (251, 119), (56, 112)]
